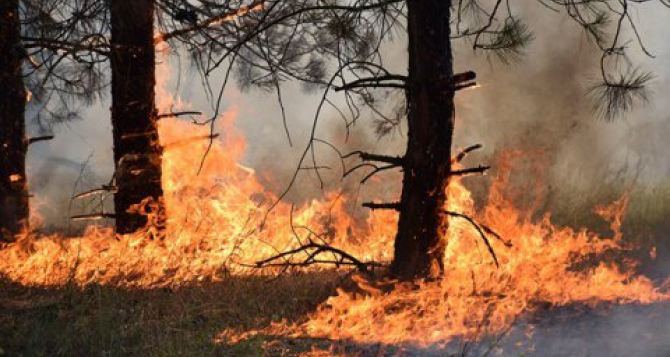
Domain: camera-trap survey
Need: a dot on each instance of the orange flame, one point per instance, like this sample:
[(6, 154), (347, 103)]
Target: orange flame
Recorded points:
[(213, 226)]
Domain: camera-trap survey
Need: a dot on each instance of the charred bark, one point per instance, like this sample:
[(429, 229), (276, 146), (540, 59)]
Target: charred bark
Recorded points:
[(14, 208), (137, 152), (419, 248)]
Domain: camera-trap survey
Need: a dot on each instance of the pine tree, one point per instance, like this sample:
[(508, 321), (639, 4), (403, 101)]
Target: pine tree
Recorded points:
[(334, 46)]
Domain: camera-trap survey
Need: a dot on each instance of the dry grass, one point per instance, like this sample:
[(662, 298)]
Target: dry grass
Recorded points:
[(107, 321)]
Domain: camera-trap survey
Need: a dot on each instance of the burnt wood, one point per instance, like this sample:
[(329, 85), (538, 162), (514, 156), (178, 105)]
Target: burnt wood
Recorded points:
[(14, 208), (137, 152)]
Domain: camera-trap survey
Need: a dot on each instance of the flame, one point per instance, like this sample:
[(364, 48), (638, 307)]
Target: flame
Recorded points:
[(213, 219), (475, 297), (214, 215), (15, 178)]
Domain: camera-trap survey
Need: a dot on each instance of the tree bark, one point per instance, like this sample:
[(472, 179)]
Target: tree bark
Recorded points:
[(14, 209), (137, 152), (419, 245)]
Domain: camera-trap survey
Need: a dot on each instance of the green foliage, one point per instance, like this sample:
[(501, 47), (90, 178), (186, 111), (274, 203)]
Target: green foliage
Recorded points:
[(508, 43), (614, 97)]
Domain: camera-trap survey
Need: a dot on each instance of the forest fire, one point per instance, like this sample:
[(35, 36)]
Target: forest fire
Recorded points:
[(213, 230), (240, 266)]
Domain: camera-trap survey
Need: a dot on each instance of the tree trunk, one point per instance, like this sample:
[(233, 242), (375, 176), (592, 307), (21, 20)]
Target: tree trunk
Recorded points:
[(13, 186), (419, 248), (137, 152)]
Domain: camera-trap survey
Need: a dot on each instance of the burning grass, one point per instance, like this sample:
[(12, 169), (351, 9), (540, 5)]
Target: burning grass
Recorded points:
[(191, 293)]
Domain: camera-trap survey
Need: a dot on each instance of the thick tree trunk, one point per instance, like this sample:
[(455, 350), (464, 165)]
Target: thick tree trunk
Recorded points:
[(13, 186), (137, 152), (419, 248)]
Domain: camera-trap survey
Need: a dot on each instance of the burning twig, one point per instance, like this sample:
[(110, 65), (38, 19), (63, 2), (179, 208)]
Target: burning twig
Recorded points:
[(93, 216), (313, 250), (465, 86), (481, 228)]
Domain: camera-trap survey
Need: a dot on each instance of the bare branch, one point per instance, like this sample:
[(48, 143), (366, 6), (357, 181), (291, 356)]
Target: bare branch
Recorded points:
[(390, 206), (470, 171), (177, 114), (31, 141), (461, 155), (93, 216)]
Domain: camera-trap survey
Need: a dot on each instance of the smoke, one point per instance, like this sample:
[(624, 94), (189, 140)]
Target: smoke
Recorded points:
[(538, 104), (618, 331)]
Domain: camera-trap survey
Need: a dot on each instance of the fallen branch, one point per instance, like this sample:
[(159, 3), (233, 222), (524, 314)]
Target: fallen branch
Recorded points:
[(316, 249)]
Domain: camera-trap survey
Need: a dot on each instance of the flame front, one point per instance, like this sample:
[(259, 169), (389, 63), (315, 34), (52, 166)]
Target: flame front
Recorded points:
[(213, 228), (474, 298)]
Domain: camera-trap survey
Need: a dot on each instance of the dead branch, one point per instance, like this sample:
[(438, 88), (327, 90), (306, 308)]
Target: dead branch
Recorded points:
[(470, 171), (313, 250), (359, 166), (38, 139), (176, 114), (461, 155), (396, 160), (371, 85), (481, 229), (104, 188), (370, 81), (378, 170), (93, 216), (385, 205), (375, 82), (464, 77)]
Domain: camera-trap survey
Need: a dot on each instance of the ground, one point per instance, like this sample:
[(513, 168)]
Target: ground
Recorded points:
[(221, 319)]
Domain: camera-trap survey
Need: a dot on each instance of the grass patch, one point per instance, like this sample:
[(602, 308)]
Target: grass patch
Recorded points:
[(108, 321)]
